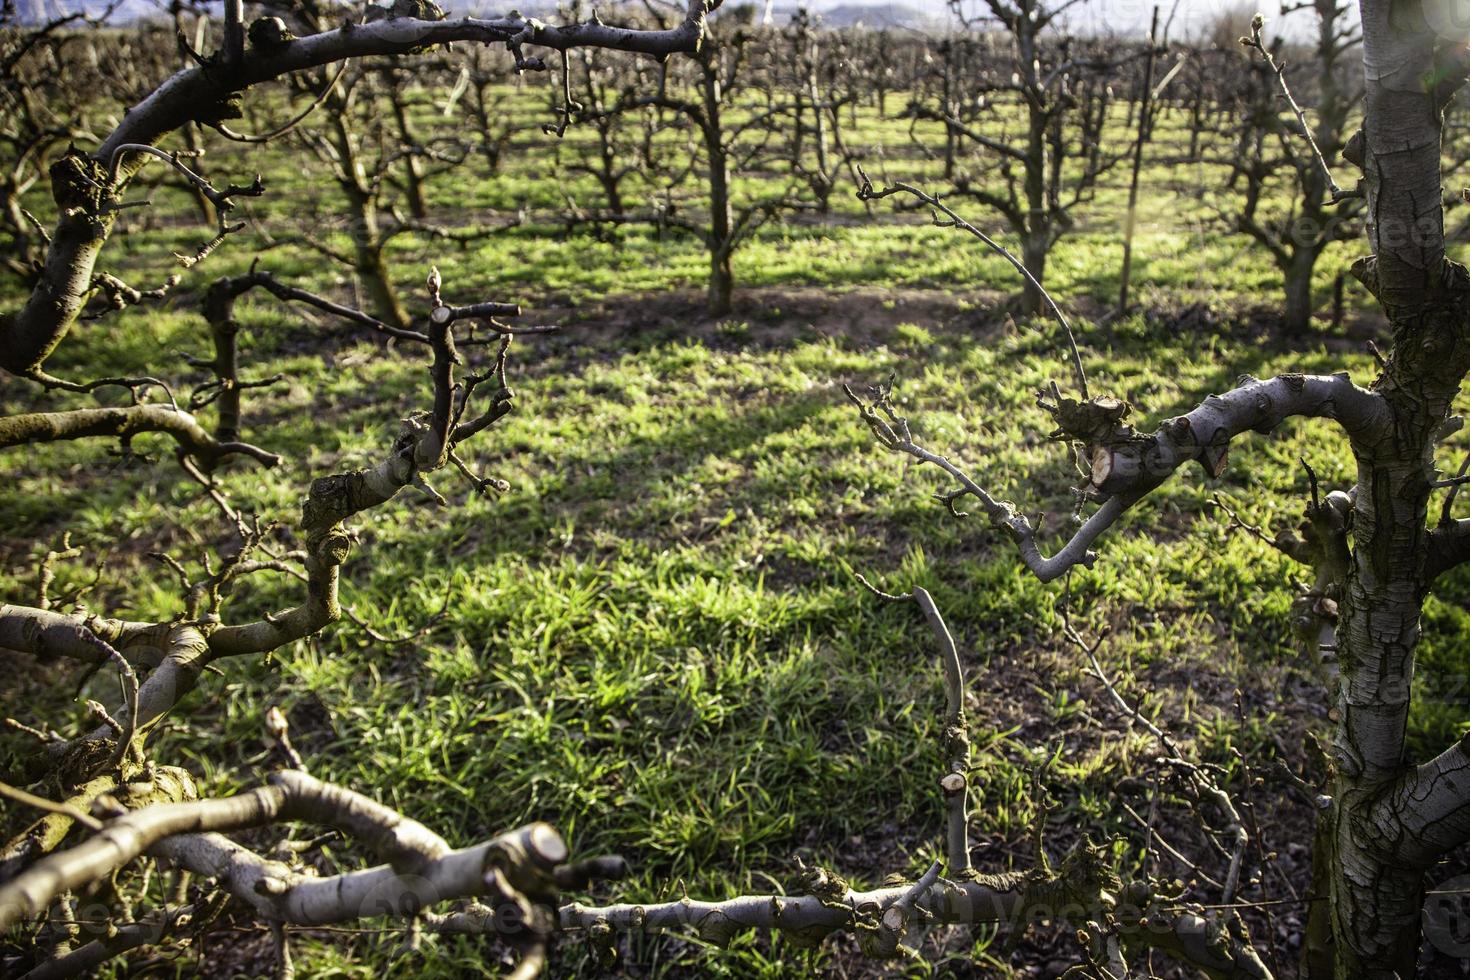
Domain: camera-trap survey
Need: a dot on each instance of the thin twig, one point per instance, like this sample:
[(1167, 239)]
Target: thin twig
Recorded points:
[(1255, 41), (50, 806), (866, 192), (285, 128), (1454, 485), (1202, 782), (955, 737)]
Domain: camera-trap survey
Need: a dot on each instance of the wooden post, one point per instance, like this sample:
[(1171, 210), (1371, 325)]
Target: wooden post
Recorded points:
[(1145, 121), (234, 44), (1337, 303)]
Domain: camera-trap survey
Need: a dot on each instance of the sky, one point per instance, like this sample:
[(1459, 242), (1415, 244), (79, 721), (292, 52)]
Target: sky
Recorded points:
[(1190, 16), (1132, 16)]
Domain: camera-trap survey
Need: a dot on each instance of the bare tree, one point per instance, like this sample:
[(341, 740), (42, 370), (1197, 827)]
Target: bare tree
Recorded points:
[(104, 803), (495, 131), (1055, 163), (602, 81), (1278, 144), (718, 70), (1385, 819), (822, 83), (382, 169), (956, 66)]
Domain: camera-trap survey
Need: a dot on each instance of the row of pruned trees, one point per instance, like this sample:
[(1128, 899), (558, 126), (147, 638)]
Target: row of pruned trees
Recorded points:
[(123, 853), (1027, 121)]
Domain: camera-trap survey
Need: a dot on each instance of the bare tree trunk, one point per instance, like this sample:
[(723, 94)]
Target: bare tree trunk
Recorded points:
[(367, 235), (1390, 825), (1317, 959), (1038, 225), (951, 105), (611, 189), (1033, 257), (798, 132), (219, 311), (819, 118), (372, 271), (721, 221), (1337, 302), (1297, 273), (413, 178), (1197, 125), (721, 283)]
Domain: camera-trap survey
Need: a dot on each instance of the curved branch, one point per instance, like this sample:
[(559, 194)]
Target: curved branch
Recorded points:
[(47, 633), (1127, 466), (170, 106), (189, 646), (1206, 941), (866, 192), (124, 423), (286, 127), (1449, 547), (421, 864), (331, 501), (955, 739), (120, 841), (46, 834), (1427, 814)]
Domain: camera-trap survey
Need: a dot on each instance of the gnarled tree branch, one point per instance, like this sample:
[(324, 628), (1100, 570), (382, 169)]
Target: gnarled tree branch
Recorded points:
[(125, 422)]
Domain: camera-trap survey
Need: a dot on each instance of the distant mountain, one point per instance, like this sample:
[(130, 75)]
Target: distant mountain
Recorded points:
[(878, 15)]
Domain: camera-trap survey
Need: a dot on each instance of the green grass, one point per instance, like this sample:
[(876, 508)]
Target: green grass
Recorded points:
[(654, 640)]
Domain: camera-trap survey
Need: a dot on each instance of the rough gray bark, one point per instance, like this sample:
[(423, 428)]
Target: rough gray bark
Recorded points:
[(1385, 820), (1383, 814)]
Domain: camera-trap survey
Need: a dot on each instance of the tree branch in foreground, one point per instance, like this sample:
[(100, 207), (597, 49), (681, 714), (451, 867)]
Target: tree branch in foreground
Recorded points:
[(514, 873), (178, 653), (124, 423), (1082, 890), (1124, 464)]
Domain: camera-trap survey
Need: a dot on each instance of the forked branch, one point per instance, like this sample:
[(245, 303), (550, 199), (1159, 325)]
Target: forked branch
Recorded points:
[(1126, 465), (1255, 42), (518, 870)]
